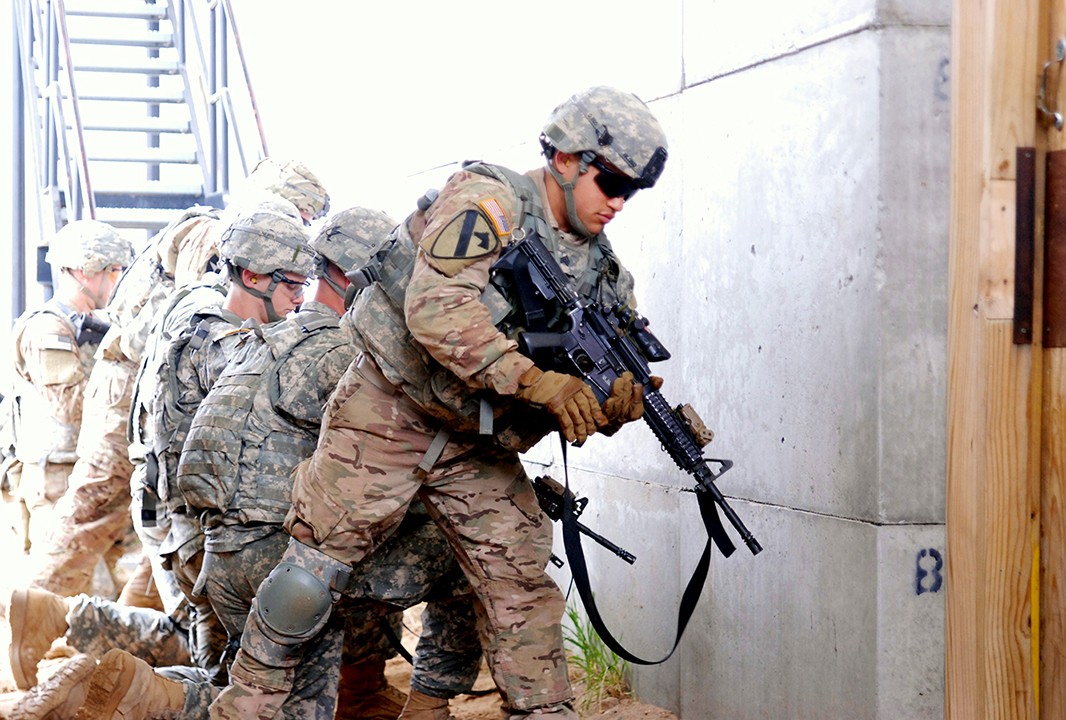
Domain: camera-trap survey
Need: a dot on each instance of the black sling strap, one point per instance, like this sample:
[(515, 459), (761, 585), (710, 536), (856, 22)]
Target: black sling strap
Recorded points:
[(580, 574)]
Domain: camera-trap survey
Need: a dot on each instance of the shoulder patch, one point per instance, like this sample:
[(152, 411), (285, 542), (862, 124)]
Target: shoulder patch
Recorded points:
[(57, 342), (469, 235), (496, 215)]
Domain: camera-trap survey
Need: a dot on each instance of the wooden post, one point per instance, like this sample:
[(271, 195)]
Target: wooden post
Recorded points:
[(1052, 653), (993, 384)]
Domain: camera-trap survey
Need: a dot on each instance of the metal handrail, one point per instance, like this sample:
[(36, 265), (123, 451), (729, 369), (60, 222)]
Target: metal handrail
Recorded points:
[(78, 185), (219, 95)]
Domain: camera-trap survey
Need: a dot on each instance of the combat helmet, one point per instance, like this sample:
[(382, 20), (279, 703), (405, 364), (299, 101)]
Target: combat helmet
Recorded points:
[(603, 122), (89, 246), (267, 242), (349, 240), (291, 180)]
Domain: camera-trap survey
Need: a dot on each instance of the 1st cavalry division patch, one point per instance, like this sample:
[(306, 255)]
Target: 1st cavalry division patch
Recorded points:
[(468, 236)]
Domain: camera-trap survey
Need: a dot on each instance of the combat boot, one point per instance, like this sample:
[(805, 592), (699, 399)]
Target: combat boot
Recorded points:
[(60, 696), (425, 707), (124, 687), (365, 694), (38, 618)]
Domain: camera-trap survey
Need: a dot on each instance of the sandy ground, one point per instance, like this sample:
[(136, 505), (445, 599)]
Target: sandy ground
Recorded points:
[(18, 567)]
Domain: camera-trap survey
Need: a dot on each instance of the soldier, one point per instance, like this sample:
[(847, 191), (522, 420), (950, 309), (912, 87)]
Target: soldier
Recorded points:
[(53, 356), (259, 419), (267, 258), (97, 512), (441, 403)]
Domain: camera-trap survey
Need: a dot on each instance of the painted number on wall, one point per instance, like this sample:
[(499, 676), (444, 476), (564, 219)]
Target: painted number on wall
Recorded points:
[(927, 578)]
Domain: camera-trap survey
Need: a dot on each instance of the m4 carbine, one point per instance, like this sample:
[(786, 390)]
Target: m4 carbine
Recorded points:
[(561, 331)]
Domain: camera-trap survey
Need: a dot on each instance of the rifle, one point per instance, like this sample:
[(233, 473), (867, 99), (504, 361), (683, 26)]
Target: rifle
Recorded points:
[(552, 498), (560, 330)]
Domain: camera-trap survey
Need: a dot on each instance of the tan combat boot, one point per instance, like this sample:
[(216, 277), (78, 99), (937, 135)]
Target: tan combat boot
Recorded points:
[(425, 707), (123, 687), (38, 618), (365, 694), (59, 696)]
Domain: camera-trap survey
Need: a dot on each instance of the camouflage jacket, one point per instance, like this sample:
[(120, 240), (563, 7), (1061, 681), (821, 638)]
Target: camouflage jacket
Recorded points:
[(51, 370), (259, 420), (444, 348)]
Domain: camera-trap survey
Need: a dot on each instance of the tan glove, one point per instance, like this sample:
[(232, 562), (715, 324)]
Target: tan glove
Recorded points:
[(566, 397), (626, 402)]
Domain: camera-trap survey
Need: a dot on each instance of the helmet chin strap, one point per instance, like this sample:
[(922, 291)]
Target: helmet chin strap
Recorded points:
[(267, 296), (97, 301), (568, 192)]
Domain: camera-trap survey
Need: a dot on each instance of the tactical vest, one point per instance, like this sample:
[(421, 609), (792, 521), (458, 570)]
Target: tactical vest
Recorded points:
[(379, 318), (240, 450), (39, 435), (161, 411)]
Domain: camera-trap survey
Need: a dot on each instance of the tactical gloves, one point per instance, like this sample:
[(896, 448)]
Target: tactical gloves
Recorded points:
[(626, 402), (566, 397)]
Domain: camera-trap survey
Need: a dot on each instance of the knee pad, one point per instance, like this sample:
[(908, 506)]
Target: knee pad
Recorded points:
[(293, 601)]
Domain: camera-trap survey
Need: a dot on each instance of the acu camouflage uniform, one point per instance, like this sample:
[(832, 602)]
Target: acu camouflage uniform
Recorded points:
[(418, 383), (187, 350), (259, 420), (96, 512)]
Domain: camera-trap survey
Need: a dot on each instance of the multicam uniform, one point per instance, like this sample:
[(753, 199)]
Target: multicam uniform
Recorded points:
[(52, 365), (96, 512), (404, 422)]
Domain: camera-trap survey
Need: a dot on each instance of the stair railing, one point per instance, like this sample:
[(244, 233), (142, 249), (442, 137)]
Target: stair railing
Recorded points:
[(216, 116), (45, 42)]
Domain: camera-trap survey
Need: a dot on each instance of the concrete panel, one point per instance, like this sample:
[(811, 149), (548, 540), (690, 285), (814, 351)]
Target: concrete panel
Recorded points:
[(790, 633), (724, 36), (910, 621), (779, 329), (913, 266), (637, 602)]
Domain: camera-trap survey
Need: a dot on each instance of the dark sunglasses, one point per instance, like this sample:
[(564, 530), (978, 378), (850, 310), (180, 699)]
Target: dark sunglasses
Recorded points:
[(612, 183)]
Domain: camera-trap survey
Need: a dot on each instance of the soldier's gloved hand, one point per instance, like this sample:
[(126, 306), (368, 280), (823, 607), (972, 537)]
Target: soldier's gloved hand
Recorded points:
[(626, 402), (566, 397)]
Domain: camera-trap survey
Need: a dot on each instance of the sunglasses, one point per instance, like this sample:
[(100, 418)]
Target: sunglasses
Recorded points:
[(612, 183), (278, 276)]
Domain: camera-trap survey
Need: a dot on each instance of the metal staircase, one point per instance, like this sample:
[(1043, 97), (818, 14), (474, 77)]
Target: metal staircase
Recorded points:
[(130, 114)]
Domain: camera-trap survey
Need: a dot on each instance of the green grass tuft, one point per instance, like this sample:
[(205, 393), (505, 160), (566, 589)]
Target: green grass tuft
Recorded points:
[(601, 674)]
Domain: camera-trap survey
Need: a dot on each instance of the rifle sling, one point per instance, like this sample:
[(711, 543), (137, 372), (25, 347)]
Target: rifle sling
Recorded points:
[(579, 571)]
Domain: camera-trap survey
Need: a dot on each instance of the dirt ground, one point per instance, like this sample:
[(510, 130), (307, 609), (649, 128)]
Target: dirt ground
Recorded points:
[(18, 567)]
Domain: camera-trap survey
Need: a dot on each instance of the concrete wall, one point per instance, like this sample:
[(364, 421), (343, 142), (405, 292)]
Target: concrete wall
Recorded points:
[(793, 258), (795, 261)]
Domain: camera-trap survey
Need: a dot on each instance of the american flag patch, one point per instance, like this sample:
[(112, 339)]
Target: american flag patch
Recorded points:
[(495, 213)]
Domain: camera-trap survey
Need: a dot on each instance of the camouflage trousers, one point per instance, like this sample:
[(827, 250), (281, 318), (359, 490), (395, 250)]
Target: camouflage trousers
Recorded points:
[(40, 488), (96, 625), (94, 513), (354, 492), (414, 565), (151, 536), (207, 637)]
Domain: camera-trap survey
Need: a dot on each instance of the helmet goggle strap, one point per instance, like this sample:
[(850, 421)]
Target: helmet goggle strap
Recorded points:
[(323, 274), (584, 159), (267, 296)]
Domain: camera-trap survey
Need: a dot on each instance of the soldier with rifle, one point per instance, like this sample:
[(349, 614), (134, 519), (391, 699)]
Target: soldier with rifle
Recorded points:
[(441, 402)]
